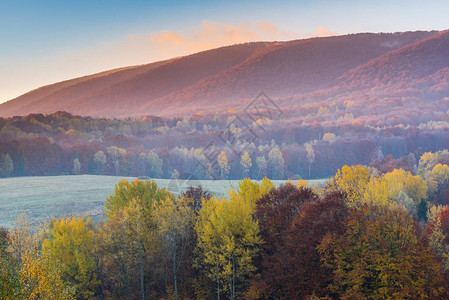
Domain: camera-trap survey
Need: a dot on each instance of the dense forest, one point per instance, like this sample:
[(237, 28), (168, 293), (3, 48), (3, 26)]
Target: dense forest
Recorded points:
[(229, 145), (362, 235)]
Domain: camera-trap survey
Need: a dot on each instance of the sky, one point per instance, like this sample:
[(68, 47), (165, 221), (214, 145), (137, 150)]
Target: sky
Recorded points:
[(43, 42)]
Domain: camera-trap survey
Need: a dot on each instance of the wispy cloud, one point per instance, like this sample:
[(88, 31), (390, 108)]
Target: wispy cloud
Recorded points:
[(210, 35), (322, 32), (166, 37)]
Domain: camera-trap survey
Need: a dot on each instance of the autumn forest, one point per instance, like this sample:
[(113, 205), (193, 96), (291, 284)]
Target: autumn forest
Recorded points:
[(224, 150), (364, 234), (214, 146)]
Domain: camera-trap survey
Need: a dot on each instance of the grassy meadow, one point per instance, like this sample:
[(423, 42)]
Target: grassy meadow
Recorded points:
[(42, 198)]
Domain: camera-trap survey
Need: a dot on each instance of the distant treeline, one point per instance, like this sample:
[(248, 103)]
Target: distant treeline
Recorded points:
[(225, 146), (362, 235)]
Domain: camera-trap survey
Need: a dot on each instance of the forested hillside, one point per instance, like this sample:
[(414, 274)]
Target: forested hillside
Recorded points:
[(361, 235), (226, 146), (215, 80), (370, 99)]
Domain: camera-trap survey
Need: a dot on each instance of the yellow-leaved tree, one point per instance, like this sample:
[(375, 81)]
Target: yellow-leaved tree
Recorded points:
[(145, 192), (352, 180), (406, 189), (429, 159), (40, 275), (228, 240), (359, 186), (131, 221), (69, 243), (249, 191), (42, 278), (438, 182), (246, 163), (301, 183), (400, 180)]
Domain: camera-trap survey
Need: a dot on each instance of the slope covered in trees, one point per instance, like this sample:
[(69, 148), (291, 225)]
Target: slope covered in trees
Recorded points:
[(221, 78), (214, 146), (361, 235)]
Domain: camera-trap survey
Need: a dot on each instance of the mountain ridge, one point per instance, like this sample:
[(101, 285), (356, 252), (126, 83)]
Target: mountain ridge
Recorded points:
[(217, 79)]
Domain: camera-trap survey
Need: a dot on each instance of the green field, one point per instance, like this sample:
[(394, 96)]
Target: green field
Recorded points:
[(42, 198)]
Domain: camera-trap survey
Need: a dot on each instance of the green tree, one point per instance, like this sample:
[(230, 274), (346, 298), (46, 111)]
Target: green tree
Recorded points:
[(407, 202), (129, 246), (141, 228)]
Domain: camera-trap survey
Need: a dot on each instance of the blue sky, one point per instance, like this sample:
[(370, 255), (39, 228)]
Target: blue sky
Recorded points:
[(43, 42)]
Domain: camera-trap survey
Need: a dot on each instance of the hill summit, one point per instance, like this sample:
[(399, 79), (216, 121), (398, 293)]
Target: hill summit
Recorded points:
[(356, 66)]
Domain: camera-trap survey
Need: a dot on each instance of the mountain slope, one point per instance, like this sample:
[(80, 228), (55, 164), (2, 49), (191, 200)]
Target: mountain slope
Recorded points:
[(289, 68), (51, 97), (223, 77), (408, 64)]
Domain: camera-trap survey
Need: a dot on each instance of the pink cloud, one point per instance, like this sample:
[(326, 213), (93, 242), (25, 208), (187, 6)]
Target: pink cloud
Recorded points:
[(166, 37), (267, 27), (211, 35), (208, 35), (322, 32)]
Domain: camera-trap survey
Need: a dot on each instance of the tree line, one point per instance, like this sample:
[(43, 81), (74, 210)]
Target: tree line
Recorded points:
[(364, 234), (208, 146)]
